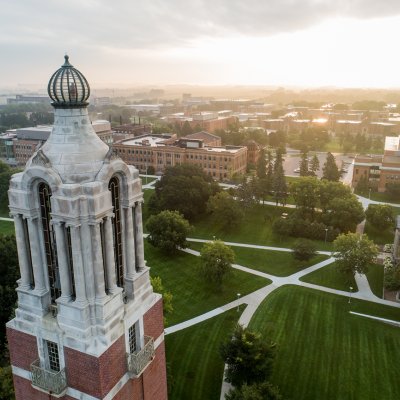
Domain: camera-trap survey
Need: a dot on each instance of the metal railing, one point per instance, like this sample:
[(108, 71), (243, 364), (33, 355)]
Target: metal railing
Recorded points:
[(52, 381), (139, 360)]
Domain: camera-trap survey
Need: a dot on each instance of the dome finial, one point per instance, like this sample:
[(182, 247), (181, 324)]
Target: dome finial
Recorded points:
[(66, 63), (68, 88)]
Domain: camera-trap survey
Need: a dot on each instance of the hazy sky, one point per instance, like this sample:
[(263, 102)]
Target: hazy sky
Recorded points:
[(265, 42)]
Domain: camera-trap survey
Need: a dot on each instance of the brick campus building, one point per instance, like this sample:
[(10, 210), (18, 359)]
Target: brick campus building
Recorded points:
[(202, 149), (88, 325)]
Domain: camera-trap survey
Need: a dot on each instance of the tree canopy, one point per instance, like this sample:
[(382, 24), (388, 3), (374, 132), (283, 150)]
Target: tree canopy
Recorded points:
[(184, 188), (168, 230), (216, 260), (380, 215), (353, 253), (249, 358), (225, 209), (330, 170)]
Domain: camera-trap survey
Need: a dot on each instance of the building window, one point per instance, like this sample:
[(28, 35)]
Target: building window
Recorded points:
[(113, 186), (132, 339), (49, 239), (53, 356), (70, 261)]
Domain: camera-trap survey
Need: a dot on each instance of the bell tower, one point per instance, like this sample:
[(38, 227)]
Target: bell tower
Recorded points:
[(88, 325)]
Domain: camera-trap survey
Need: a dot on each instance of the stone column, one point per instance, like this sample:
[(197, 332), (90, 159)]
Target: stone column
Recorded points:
[(23, 255), (129, 244), (139, 237), (78, 265), (36, 255), (110, 260), (98, 264), (63, 261)]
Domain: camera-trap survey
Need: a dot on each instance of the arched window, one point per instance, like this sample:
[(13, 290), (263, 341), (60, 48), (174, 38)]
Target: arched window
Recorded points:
[(114, 187), (50, 247)]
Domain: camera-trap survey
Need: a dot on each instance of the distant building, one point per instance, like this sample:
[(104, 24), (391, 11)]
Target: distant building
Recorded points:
[(161, 151), (23, 99), (209, 121), (379, 170), (18, 145)]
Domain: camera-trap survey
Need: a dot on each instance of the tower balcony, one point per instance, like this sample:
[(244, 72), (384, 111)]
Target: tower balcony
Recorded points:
[(138, 361), (53, 382)]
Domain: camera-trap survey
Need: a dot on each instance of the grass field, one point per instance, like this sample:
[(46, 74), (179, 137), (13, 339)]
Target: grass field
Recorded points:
[(194, 365), (330, 277), (375, 279), (192, 295), (256, 228), (277, 263), (7, 228), (384, 197), (324, 352)]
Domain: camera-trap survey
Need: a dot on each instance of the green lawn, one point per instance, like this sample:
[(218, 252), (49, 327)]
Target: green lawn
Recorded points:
[(195, 368), (375, 279), (377, 196), (324, 352), (256, 228), (330, 277), (7, 228), (378, 235), (192, 295), (277, 263)]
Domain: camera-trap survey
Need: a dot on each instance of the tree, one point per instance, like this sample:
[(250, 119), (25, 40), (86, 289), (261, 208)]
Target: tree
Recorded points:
[(314, 165), (261, 165), (9, 273), (305, 193), (249, 358), (330, 169), (353, 253), (6, 383), (380, 215), (329, 191), (256, 391), (168, 230), (279, 183), (186, 129), (225, 209), (344, 213), (184, 188), (216, 261), (246, 192), (304, 164), (304, 250), (167, 296)]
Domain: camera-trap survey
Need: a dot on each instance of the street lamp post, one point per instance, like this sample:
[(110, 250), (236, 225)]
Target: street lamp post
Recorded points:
[(238, 296), (326, 234), (369, 196), (351, 291)]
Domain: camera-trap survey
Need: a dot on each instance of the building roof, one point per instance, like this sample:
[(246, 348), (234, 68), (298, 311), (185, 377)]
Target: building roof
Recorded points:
[(203, 135), (392, 143)]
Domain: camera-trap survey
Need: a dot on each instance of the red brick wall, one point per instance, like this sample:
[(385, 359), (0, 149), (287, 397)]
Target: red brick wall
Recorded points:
[(155, 377), (25, 391), (96, 376), (153, 320), (23, 348), (151, 385)]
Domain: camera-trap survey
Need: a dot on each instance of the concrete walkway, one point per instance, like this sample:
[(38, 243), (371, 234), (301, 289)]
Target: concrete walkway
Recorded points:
[(254, 299), (6, 219)]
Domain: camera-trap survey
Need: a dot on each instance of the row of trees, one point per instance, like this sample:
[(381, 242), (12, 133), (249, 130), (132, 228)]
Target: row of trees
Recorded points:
[(324, 209)]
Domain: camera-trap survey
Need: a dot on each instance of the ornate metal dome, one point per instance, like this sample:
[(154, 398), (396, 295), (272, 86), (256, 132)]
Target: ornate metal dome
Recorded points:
[(68, 88)]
